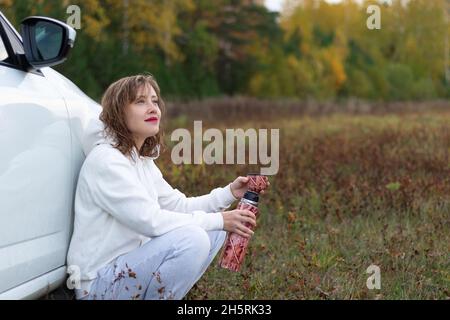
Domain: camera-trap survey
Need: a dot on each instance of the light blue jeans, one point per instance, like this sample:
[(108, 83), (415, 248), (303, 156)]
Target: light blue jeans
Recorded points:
[(166, 267)]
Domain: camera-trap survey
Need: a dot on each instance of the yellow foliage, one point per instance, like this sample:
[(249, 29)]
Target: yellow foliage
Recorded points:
[(255, 84), (154, 24), (6, 3), (338, 71), (94, 18)]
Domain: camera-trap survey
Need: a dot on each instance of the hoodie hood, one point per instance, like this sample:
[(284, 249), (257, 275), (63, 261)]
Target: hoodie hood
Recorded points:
[(94, 135)]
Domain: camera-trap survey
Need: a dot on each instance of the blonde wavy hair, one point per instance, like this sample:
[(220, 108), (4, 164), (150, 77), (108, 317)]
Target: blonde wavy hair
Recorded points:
[(120, 94)]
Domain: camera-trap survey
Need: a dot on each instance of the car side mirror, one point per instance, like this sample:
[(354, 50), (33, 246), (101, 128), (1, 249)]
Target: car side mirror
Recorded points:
[(46, 41)]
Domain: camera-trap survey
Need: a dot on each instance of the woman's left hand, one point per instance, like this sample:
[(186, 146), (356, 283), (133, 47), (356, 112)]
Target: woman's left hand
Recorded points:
[(240, 186)]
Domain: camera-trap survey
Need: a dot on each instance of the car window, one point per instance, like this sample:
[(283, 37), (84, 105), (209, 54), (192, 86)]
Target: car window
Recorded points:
[(3, 52)]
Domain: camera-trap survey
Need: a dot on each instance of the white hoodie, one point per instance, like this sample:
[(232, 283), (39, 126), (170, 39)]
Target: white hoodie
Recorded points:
[(122, 202)]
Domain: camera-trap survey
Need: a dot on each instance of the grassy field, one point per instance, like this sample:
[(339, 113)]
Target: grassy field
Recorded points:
[(352, 191)]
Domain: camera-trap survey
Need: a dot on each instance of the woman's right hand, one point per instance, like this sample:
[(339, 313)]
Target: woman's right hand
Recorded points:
[(234, 221)]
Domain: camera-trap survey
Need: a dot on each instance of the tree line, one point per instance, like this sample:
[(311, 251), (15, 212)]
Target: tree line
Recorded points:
[(310, 50)]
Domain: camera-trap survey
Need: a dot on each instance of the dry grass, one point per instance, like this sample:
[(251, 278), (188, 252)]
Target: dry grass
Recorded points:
[(361, 186), (352, 190)]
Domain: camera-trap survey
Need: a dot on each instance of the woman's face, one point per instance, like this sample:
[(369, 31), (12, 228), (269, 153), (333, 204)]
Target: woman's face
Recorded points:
[(143, 115)]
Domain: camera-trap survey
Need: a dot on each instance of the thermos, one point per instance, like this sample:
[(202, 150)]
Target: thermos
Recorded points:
[(235, 246)]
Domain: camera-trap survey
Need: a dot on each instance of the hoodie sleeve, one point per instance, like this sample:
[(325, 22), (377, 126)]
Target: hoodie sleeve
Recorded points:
[(169, 198), (118, 191)]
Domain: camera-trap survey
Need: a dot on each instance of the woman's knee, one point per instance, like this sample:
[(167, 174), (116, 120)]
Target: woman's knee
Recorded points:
[(217, 238), (221, 238), (196, 239)]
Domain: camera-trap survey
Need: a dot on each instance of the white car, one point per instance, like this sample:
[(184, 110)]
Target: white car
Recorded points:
[(43, 117)]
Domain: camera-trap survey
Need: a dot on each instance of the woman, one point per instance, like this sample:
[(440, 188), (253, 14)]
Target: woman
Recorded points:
[(135, 237)]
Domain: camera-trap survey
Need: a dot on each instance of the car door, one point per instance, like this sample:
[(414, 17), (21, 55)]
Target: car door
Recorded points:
[(36, 178)]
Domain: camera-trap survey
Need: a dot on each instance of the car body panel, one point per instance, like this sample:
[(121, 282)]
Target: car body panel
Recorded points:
[(43, 118), (36, 179)]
